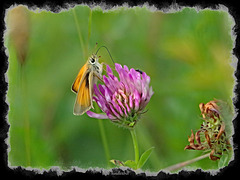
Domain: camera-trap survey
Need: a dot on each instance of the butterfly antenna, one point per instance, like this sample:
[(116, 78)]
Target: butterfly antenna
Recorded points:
[(107, 51)]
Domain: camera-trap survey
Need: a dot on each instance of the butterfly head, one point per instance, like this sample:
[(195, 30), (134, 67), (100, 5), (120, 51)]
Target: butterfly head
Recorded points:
[(94, 64)]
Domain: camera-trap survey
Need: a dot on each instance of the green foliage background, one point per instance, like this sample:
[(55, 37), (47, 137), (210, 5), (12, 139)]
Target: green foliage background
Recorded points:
[(186, 53)]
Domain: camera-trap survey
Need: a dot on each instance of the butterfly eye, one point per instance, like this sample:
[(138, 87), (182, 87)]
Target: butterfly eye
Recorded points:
[(92, 60)]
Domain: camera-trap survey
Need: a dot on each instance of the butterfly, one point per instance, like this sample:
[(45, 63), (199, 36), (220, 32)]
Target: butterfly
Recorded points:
[(83, 84)]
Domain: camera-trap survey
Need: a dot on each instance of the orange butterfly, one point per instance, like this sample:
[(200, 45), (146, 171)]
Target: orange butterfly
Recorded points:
[(83, 84)]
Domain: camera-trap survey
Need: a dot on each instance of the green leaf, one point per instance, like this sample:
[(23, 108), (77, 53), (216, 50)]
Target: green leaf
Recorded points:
[(223, 161), (130, 163), (144, 157)]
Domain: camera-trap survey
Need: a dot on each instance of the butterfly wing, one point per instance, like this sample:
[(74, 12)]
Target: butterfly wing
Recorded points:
[(81, 75), (84, 95), (83, 86)]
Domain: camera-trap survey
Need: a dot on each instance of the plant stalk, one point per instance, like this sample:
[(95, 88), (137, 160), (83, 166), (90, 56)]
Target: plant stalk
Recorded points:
[(135, 144), (185, 163), (79, 33), (89, 27), (85, 52), (104, 141), (26, 116)]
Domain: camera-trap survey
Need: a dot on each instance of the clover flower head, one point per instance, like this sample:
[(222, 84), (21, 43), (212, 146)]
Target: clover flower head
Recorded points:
[(124, 100)]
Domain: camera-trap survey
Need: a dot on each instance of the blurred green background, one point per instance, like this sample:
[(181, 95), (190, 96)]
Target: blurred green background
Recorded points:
[(187, 54)]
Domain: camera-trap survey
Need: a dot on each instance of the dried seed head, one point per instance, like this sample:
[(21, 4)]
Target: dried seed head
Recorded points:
[(18, 29), (211, 135), (210, 110)]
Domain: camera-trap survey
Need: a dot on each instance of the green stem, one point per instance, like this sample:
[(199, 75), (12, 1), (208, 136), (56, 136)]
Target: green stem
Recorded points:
[(26, 117), (85, 52), (185, 163), (135, 144), (89, 26), (79, 33), (104, 140)]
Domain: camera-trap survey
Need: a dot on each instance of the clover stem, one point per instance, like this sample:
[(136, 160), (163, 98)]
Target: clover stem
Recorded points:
[(135, 144), (185, 163), (104, 140)]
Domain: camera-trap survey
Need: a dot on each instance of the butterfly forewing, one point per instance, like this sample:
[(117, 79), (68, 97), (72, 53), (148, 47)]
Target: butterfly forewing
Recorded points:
[(84, 98), (82, 73)]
